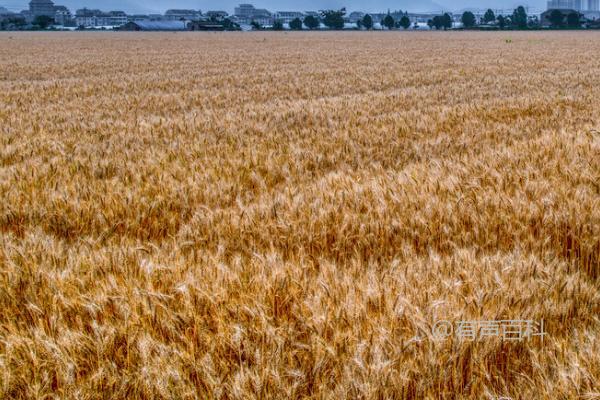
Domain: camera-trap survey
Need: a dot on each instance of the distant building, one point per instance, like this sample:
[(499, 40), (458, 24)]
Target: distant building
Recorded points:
[(86, 17), (356, 16), (92, 18), (591, 15), (287, 16), (576, 5), (545, 17), (114, 18), (63, 16), (182, 15), (217, 14), (589, 8), (5, 14), (246, 13), (46, 8), (155, 26), (39, 8)]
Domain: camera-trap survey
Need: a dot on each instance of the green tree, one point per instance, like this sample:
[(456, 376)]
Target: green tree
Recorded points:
[(388, 22), (367, 22), (255, 26), (574, 20), (277, 25), (296, 24), (489, 16), (468, 19), (19, 22), (446, 21), (556, 19), (405, 22), (311, 22), (43, 21), (230, 25), (334, 19), (437, 22), (519, 18), (501, 21)]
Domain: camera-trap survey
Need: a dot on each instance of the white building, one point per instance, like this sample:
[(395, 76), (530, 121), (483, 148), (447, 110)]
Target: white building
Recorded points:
[(62, 16), (578, 5), (95, 18), (287, 16), (246, 13)]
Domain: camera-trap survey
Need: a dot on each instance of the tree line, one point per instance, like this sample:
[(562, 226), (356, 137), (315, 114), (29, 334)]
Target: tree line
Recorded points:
[(520, 20), (17, 22), (334, 20)]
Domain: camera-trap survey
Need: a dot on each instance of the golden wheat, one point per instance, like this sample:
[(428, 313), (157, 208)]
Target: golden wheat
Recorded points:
[(271, 215)]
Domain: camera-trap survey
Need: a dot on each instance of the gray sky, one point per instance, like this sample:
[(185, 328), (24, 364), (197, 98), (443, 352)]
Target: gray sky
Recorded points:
[(275, 5)]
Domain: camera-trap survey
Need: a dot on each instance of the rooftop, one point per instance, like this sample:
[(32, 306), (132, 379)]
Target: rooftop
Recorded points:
[(161, 25)]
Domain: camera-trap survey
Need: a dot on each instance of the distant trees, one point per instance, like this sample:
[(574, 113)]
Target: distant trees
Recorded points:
[(556, 19), (43, 21), (229, 25), (367, 22), (255, 26), (519, 18), (311, 22), (436, 22), (574, 20), (277, 25), (489, 16), (501, 21), (388, 22), (405, 22), (334, 19), (468, 19), (446, 21), (14, 23), (296, 24), (441, 21)]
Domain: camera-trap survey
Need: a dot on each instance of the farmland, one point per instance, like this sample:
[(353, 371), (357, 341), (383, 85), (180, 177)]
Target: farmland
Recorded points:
[(288, 215)]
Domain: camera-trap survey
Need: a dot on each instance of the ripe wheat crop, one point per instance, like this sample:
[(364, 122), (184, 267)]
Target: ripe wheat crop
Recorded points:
[(271, 215)]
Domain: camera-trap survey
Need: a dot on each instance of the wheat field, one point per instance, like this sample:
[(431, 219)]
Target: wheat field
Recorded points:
[(288, 215)]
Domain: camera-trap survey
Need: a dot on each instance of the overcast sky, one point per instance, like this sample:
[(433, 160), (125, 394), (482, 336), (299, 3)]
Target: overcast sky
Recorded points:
[(276, 5)]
